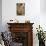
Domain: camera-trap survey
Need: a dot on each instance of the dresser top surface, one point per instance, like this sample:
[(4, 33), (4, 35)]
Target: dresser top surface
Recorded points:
[(19, 23)]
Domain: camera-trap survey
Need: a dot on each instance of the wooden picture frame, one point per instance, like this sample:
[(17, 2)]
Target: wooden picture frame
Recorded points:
[(20, 9)]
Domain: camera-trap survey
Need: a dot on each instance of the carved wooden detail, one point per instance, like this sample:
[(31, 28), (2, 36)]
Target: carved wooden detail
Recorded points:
[(22, 33)]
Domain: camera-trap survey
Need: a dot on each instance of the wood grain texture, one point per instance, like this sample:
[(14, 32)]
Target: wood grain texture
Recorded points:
[(23, 27)]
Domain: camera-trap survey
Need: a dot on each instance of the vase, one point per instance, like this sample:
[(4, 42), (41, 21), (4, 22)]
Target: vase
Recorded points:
[(41, 43)]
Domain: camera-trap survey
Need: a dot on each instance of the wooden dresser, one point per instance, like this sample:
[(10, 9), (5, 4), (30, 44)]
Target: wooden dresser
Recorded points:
[(22, 33)]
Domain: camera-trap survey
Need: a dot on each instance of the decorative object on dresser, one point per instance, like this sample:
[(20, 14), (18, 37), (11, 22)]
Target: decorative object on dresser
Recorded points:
[(22, 33), (13, 21)]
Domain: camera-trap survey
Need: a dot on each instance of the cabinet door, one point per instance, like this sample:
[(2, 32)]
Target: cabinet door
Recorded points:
[(20, 37)]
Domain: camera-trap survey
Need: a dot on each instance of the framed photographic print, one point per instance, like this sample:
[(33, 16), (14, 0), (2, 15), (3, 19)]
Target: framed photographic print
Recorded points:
[(20, 8)]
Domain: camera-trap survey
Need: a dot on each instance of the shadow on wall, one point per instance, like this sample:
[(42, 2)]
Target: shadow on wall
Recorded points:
[(0, 23), (43, 6), (0, 14)]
